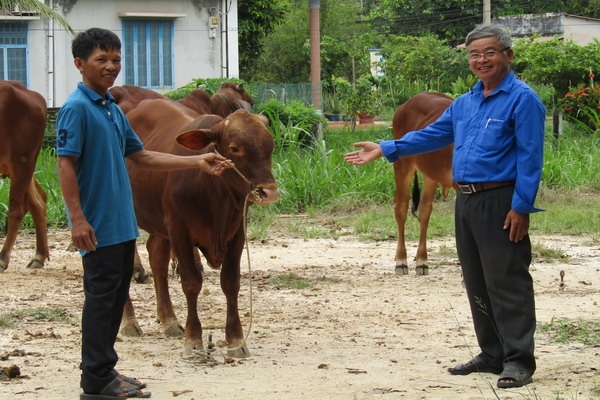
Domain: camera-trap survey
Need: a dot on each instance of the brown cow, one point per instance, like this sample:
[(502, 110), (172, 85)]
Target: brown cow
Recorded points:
[(129, 96), (436, 167), (23, 119), (182, 210), (230, 97)]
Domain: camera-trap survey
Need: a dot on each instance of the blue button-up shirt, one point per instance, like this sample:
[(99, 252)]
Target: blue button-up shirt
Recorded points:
[(496, 138)]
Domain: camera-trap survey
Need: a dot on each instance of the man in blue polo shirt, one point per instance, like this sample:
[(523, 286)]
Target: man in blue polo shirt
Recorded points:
[(93, 139), (498, 133)]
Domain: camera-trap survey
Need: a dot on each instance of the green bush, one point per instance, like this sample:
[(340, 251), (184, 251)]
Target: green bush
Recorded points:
[(211, 85), (582, 103), (293, 115)]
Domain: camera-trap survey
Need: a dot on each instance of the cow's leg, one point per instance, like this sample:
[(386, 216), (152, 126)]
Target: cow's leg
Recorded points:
[(425, 208), (36, 200), (139, 273), (230, 284), (159, 255), (403, 173), (17, 207), (129, 322), (191, 283)]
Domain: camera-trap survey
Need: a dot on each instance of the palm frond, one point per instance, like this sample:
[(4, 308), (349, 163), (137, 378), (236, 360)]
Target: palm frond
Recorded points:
[(39, 7)]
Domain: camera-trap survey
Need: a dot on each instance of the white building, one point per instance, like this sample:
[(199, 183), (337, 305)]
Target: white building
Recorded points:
[(165, 43), (581, 30)]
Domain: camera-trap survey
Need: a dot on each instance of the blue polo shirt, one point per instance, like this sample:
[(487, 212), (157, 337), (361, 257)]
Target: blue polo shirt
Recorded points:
[(496, 138), (95, 130)]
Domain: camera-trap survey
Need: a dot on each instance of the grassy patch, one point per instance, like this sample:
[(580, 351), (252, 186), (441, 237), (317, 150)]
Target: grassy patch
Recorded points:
[(565, 330), (289, 280), (8, 320), (548, 254)]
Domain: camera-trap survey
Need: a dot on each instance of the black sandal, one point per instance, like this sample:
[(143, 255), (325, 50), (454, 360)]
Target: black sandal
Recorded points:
[(115, 390), (132, 381)]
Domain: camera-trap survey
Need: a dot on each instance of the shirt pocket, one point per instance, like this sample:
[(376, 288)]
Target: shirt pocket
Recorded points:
[(492, 134)]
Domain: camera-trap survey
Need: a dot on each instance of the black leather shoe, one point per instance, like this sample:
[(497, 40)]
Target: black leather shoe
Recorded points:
[(477, 364)]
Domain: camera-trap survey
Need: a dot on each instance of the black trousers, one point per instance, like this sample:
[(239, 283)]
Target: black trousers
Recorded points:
[(106, 278), (496, 276)]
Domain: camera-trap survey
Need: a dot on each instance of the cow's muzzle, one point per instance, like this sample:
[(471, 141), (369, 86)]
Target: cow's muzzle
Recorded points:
[(264, 196)]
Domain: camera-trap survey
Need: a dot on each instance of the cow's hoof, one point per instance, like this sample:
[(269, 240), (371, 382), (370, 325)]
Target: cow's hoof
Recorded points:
[(401, 270), (131, 331), (142, 278), (238, 352), (422, 270), (35, 264), (174, 331)]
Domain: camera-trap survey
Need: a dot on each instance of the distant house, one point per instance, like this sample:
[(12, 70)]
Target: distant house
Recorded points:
[(165, 44), (581, 30)]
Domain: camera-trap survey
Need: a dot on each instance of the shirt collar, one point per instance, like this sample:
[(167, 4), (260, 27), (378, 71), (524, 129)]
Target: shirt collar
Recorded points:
[(504, 86), (95, 97)]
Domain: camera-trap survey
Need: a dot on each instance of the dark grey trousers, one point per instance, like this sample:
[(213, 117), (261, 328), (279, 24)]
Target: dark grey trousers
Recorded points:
[(106, 278), (496, 276)]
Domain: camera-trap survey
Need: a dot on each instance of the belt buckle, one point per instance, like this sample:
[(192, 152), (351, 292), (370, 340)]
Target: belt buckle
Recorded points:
[(467, 188)]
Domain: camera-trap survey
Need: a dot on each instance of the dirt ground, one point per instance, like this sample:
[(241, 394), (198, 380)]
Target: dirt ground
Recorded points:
[(357, 332)]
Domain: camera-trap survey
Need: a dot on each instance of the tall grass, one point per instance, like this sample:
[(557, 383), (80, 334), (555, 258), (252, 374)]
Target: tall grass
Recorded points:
[(316, 177), (46, 174), (314, 180)]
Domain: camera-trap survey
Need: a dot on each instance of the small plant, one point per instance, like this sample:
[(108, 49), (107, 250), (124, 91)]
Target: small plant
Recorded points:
[(360, 97), (293, 115), (289, 280), (583, 103), (548, 254), (6, 321), (331, 103), (462, 85), (565, 330), (34, 314)]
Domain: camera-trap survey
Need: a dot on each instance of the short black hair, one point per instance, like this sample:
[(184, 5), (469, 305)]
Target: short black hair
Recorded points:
[(85, 42)]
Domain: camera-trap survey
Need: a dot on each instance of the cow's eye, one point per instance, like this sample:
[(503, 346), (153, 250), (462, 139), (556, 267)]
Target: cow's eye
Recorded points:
[(234, 149)]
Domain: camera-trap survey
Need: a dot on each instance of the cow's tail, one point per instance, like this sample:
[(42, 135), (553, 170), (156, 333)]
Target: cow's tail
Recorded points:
[(416, 195)]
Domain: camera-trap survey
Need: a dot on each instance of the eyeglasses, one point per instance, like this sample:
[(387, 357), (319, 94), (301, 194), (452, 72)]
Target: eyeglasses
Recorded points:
[(487, 55)]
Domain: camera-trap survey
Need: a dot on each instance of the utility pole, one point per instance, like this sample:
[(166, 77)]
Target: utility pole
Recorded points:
[(315, 55), (487, 11)]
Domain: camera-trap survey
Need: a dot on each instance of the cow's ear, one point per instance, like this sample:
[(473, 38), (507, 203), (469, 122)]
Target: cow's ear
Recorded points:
[(196, 139), (244, 105), (263, 118)]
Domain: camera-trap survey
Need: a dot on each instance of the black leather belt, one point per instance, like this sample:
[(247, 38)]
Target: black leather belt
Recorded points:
[(470, 188)]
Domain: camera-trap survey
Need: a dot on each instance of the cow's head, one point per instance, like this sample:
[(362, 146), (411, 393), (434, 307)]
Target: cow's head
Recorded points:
[(243, 138)]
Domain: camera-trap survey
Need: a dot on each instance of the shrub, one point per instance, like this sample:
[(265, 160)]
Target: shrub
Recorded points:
[(578, 103), (211, 85), (293, 114)]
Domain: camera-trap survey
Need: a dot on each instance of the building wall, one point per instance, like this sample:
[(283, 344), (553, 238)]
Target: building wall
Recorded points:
[(204, 47), (580, 30)]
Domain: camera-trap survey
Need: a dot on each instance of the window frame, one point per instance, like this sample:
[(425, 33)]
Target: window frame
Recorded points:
[(146, 63), (9, 33)]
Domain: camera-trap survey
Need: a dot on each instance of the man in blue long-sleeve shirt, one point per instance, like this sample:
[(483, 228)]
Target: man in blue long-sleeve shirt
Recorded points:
[(498, 133)]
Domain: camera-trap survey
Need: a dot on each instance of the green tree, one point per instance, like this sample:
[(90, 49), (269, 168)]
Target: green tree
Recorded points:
[(286, 56), (451, 20), (35, 5), (256, 20), (425, 61), (557, 62)]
